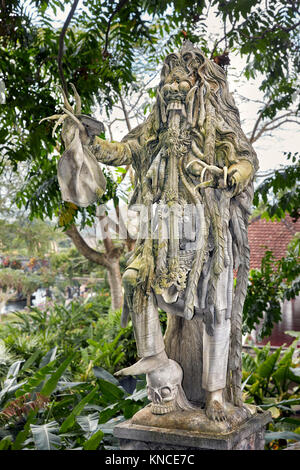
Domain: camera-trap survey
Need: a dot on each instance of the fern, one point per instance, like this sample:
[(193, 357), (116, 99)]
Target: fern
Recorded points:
[(32, 384)]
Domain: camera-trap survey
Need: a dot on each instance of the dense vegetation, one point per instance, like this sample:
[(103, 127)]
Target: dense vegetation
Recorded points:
[(58, 391)]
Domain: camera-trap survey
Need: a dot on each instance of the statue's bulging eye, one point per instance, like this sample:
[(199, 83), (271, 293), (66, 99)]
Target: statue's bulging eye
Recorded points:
[(167, 88), (184, 86)]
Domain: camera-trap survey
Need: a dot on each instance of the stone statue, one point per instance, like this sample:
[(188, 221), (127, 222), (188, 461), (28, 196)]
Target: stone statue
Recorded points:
[(194, 171)]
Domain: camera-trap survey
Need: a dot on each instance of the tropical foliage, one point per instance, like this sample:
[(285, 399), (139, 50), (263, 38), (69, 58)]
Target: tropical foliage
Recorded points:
[(101, 51), (272, 382), (279, 192), (269, 286), (58, 391), (55, 394)]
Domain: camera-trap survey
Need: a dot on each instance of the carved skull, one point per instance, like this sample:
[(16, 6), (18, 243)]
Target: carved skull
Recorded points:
[(162, 387)]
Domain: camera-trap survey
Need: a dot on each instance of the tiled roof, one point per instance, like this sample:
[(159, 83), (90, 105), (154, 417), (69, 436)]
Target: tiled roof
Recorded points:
[(273, 235)]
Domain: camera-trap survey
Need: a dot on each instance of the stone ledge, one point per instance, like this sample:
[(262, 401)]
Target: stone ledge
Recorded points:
[(249, 435)]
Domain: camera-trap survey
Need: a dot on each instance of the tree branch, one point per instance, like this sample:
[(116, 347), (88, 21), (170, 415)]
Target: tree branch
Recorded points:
[(125, 113), (270, 126), (258, 121), (61, 46), (85, 249), (118, 8)]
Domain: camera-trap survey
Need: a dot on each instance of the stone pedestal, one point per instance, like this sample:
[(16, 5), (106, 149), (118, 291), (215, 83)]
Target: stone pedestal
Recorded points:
[(192, 430)]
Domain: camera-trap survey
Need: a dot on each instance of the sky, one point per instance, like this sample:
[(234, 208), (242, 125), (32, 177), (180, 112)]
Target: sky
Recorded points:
[(269, 149)]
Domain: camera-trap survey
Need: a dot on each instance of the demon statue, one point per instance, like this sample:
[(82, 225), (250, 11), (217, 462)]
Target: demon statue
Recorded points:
[(194, 171)]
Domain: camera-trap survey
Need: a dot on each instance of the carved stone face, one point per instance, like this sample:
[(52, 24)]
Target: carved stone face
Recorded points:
[(177, 89), (162, 387)]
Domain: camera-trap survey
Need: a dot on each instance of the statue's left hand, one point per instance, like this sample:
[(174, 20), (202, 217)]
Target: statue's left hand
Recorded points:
[(239, 175), (79, 175), (71, 120)]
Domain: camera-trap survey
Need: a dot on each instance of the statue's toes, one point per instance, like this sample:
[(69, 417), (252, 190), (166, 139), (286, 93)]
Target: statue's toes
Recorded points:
[(215, 411), (221, 416), (120, 373)]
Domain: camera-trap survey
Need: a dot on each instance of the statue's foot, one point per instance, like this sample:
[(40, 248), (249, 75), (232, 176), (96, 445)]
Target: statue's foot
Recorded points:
[(144, 365), (215, 408)]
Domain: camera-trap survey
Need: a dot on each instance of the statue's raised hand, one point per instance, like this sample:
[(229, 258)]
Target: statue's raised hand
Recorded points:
[(79, 175), (72, 119)]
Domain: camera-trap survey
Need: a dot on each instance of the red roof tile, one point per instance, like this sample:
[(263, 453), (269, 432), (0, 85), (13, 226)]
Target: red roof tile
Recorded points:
[(270, 235)]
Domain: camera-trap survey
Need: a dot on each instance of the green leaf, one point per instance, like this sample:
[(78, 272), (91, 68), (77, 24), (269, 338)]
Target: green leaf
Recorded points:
[(266, 368), (68, 423), (31, 360), (9, 387), (289, 402), (49, 357), (45, 436), (88, 423), (280, 377), (287, 357), (108, 412), (110, 391), (130, 407), (51, 383), (65, 385), (101, 373), (138, 395), (296, 334), (108, 428), (255, 389), (294, 374), (36, 379), (93, 442), (249, 364), (6, 443)]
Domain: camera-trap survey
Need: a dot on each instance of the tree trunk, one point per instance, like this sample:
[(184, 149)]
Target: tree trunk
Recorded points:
[(110, 260), (28, 300), (85, 249), (183, 341), (115, 284)]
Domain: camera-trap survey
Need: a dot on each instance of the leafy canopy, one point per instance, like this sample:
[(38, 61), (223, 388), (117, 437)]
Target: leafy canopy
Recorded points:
[(104, 45)]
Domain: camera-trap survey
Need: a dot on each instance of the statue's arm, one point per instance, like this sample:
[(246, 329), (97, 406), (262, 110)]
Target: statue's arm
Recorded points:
[(111, 153)]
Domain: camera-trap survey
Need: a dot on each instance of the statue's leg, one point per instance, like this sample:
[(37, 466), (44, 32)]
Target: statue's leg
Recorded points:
[(147, 330), (216, 348), (215, 360)]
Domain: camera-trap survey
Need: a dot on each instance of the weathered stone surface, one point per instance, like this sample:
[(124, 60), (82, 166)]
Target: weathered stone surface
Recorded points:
[(194, 420), (197, 432), (183, 340), (194, 170)]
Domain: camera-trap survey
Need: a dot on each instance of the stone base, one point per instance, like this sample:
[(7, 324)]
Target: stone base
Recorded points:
[(192, 430)]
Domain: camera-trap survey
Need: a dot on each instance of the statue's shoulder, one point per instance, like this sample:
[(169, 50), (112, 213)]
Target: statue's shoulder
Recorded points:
[(135, 133)]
